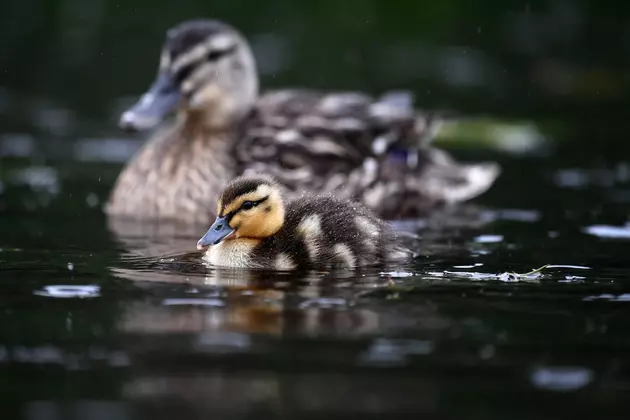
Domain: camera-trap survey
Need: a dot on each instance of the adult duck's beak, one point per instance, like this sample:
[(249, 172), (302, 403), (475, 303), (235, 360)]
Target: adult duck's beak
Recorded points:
[(159, 100), (219, 230)]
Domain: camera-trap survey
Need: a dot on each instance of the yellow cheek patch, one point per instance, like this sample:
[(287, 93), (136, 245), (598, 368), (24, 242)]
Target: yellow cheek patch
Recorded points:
[(237, 221), (252, 224)]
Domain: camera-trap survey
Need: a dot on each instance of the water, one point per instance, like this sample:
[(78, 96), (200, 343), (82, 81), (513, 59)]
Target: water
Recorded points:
[(95, 325)]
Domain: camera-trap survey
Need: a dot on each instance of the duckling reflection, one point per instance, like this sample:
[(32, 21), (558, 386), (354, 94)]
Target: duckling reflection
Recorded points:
[(256, 229), (311, 304)]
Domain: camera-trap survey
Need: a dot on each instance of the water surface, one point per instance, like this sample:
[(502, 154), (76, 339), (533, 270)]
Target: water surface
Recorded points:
[(98, 326)]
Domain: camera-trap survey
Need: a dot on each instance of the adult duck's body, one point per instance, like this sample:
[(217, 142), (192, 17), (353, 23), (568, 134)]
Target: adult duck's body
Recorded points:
[(345, 143)]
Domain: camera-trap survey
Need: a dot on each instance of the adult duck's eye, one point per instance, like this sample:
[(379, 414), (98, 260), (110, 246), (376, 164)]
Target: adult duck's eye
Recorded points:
[(216, 54), (184, 72), (247, 205)]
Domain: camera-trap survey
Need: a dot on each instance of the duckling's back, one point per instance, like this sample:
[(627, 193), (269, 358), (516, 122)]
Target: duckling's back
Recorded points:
[(324, 231)]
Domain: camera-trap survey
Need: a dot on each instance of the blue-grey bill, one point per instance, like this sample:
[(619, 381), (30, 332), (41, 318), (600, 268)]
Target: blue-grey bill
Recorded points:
[(217, 232), (161, 98)]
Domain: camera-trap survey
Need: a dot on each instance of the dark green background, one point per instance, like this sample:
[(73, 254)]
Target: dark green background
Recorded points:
[(537, 60)]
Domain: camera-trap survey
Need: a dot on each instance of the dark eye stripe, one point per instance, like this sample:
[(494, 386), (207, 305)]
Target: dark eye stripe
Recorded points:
[(231, 214), (254, 203), (216, 54), (184, 72)]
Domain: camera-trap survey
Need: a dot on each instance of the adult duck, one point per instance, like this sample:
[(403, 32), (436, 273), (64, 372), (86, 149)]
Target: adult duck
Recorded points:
[(373, 150)]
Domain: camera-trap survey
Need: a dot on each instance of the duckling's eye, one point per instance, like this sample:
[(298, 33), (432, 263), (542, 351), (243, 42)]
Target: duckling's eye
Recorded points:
[(248, 205)]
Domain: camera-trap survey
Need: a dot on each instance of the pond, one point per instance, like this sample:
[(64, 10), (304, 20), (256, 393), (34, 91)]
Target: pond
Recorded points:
[(93, 325), (516, 306)]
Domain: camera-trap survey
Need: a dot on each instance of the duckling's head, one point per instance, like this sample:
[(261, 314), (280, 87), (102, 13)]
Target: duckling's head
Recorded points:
[(249, 207), (206, 68)]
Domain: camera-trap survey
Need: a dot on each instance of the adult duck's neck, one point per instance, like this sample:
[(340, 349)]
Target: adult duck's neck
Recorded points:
[(211, 152)]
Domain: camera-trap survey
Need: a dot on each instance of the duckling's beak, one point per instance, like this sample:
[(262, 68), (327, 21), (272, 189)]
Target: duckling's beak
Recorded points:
[(158, 101), (219, 230)]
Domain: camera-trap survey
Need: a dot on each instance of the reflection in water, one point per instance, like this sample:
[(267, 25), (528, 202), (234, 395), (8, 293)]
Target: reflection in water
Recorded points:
[(284, 394), (76, 410), (41, 179), (388, 352), (17, 145), (260, 306), (561, 378), (69, 291), (609, 232), (147, 239)]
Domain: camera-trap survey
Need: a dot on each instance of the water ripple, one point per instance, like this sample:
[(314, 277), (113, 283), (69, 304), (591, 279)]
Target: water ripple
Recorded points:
[(609, 232), (561, 378), (68, 291), (324, 303), (196, 302)]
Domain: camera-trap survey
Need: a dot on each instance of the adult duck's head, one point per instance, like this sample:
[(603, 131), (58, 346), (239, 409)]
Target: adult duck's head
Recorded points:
[(206, 69)]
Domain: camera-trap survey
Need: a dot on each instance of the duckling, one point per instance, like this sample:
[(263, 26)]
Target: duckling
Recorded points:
[(255, 229), (343, 143)]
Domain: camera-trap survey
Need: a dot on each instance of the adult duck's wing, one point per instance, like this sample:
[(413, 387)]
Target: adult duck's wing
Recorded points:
[(437, 180), (312, 141)]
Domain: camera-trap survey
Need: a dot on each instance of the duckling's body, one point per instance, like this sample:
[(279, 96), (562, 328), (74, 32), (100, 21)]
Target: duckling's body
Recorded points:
[(338, 143), (310, 232)]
